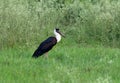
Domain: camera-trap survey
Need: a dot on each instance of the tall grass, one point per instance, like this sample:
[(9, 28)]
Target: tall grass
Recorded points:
[(26, 22)]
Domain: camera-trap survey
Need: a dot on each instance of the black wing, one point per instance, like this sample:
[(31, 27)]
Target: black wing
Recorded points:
[(45, 46)]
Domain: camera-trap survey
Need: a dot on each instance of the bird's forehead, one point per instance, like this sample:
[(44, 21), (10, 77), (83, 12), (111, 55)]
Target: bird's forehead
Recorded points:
[(57, 29)]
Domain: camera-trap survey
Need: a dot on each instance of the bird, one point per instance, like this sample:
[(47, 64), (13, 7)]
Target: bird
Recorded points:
[(48, 44)]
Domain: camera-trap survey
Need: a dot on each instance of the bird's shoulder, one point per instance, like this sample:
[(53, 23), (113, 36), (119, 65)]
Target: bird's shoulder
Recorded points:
[(48, 43), (50, 39)]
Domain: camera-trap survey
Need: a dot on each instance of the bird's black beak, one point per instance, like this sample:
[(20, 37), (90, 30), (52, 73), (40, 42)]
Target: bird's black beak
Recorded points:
[(62, 34)]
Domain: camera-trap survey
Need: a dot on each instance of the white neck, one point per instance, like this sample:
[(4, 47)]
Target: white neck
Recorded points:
[(57, 35)]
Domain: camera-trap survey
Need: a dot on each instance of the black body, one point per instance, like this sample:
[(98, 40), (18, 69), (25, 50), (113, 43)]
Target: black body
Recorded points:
[(45, 46)]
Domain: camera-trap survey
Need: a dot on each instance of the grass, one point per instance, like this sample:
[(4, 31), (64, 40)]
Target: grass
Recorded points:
[(73, 65), (23, 21), (93, 26)]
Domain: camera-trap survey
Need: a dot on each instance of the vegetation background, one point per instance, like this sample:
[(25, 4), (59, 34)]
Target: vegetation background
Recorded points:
[(89, 54)]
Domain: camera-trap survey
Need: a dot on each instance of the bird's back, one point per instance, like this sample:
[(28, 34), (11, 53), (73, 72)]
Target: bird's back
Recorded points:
[(45, 46)]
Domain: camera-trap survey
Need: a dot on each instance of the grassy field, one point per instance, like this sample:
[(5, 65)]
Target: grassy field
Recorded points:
[(65, 65), (90, 52)]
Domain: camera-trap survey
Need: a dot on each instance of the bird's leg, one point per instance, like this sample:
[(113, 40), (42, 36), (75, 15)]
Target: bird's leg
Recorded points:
[(46, 55)]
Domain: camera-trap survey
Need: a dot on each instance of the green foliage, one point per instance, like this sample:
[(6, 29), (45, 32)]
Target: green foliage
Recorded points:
[(85, 23), (28, 22)]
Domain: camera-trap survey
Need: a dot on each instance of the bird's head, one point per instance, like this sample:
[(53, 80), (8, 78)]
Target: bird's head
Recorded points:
[(56, 30)]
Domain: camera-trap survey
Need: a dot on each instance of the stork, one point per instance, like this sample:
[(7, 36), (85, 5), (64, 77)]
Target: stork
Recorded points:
[(48, 44)]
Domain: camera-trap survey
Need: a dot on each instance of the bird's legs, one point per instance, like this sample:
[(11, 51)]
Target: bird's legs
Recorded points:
[(46, 55)]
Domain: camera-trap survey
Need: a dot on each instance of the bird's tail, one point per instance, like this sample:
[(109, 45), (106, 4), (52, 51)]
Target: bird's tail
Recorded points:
[(36, 54)]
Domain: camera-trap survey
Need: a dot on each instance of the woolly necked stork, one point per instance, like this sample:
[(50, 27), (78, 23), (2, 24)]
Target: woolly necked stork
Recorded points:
[(48, 44)]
